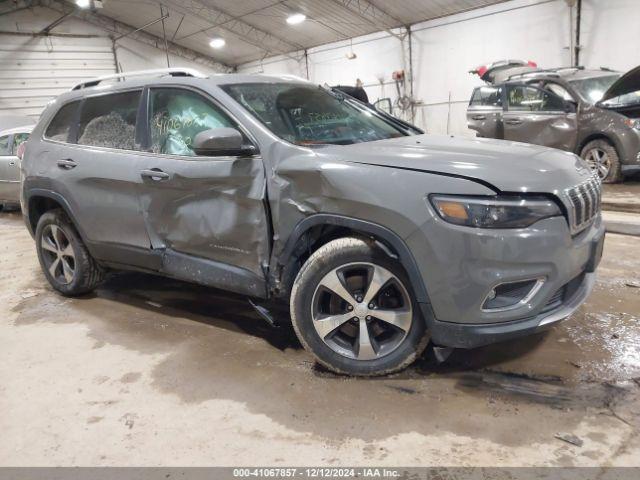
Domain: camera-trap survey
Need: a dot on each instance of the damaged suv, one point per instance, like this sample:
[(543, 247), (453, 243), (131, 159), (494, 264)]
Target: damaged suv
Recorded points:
[(594, 113), (377, 239)]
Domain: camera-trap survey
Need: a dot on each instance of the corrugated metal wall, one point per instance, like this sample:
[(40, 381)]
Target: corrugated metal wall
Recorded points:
[(36, 69)]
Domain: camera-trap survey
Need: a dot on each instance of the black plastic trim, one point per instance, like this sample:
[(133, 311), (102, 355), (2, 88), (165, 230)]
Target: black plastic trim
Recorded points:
[(213, 274), (41, 192), (366, 227)]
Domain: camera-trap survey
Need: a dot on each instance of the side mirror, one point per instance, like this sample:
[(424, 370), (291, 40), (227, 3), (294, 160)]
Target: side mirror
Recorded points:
[(221, 142)]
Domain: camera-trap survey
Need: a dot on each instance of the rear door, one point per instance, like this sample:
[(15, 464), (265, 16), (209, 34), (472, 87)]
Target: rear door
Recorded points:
[(5, 159), (93, 164), (202, 207), (540, 117), (484, 114), (12, 173)]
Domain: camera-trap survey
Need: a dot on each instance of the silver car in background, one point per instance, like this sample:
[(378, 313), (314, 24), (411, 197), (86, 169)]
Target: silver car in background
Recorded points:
[(593, 113), (10, 146)]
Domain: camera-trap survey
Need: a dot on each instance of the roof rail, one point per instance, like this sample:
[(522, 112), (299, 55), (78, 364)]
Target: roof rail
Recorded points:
[(532, 74), (547, 71), (160, 72)]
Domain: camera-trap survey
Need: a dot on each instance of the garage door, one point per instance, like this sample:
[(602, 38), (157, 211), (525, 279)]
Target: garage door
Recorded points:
[(37, 69)]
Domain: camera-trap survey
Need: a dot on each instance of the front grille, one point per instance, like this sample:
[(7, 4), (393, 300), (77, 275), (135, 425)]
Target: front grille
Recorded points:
[(584, 200)]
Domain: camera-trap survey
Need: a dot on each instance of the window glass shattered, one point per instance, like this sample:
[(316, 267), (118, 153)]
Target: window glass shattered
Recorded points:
[(110, 121)]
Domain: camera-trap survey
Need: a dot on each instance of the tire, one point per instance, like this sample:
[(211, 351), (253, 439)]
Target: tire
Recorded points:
[(603, 158), (75, 271), (358, 265)]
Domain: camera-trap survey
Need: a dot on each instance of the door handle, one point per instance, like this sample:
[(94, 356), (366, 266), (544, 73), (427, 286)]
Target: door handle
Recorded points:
[(67, 164), (478, 117), (155, 174), (12, 163), (513, 121)]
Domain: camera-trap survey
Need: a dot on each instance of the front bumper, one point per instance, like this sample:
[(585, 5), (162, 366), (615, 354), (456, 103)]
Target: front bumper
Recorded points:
[(470, 336), (461, 265)]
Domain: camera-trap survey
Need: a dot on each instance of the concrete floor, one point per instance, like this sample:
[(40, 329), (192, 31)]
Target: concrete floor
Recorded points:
[(150, 371)]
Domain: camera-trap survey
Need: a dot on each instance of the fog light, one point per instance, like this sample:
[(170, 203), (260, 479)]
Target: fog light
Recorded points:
[(511, 295)]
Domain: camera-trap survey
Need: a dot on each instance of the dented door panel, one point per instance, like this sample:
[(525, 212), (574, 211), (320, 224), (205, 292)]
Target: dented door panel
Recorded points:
[(557, 130), (208, 208), (539, 116)]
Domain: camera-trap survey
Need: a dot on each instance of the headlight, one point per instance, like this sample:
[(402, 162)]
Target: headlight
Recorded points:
[(494, 212), (633, 123)]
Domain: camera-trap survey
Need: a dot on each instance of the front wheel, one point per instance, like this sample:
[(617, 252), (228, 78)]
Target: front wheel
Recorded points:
[(352, 307), (603, 160)]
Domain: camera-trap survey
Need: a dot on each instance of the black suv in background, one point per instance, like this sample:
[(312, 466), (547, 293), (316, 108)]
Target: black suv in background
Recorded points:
[(593, 113)]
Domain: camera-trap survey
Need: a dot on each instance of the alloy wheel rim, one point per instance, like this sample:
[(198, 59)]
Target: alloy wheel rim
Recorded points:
[(599, 162), (58, 255), (361, 311)]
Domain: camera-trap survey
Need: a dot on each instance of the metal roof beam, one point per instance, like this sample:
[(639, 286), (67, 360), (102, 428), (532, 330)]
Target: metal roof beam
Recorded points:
[(371, 14), (248, 33), (118, 29)]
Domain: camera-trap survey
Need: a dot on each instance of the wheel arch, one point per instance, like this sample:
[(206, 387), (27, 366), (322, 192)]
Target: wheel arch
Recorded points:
[(40, 201), (341, 226), (599, 136)]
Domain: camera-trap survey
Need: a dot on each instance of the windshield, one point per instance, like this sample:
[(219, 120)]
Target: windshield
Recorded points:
[(310, 115), (592, 89)]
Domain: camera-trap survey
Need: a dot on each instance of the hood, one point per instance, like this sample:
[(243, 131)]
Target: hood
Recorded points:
[(505, 166), (627, 83)]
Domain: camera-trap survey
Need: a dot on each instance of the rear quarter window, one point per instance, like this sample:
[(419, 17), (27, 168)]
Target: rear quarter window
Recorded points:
[(60, 126), (19, 139), (486, 97)]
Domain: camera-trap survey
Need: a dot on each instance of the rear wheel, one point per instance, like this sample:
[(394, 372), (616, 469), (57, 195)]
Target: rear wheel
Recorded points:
[(603, 160), (352, 307), (65, 260)]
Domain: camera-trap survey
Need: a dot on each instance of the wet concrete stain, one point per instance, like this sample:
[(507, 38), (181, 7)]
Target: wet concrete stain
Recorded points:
[(215, 346)]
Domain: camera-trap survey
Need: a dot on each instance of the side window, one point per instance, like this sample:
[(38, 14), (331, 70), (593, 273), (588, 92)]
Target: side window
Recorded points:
[(560, 91), (487, 97), (110, 121), (177, 116), (59, 127), (5, 147), (18, 139), (522, 97)]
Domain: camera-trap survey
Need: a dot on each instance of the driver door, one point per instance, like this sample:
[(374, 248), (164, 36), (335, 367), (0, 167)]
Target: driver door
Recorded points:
[(207, 213), (540, 117)]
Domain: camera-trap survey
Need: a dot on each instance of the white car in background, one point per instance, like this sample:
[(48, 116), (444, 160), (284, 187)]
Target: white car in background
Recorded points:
[(11, 148)]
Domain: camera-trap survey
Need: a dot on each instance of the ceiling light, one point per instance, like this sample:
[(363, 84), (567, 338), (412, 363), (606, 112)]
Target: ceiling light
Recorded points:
[(83, 3), (217, 43), (296, 18)]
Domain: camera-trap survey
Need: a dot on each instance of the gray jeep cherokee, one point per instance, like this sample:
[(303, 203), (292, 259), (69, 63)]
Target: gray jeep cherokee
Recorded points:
[(376, 238), (593, 113)]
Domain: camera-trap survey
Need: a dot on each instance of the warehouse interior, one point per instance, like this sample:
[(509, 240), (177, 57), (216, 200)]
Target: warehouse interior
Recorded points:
[(150, 371), (441, 44)]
